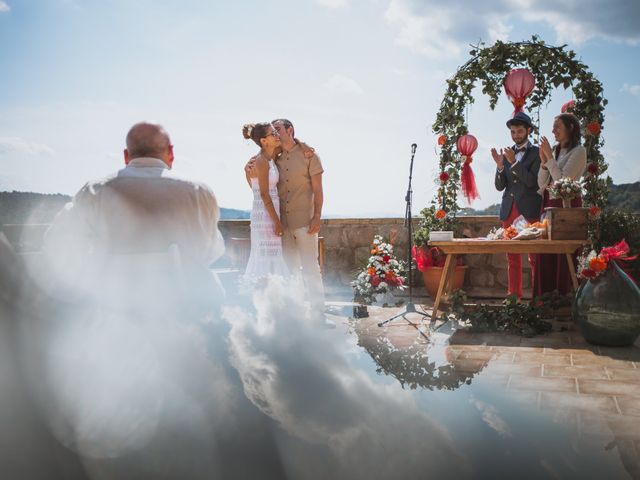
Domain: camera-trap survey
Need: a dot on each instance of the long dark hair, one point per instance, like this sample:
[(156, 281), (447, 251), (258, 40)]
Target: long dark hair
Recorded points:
[(572, 125), (256, 131)]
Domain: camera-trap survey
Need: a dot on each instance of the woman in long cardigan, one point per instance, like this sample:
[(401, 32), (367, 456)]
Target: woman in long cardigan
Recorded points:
[(568, 158)]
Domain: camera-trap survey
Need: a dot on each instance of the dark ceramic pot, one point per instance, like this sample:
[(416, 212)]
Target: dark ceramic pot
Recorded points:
[(607, 308)]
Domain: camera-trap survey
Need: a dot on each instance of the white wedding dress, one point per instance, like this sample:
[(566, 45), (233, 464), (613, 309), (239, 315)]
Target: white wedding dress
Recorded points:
[(266, 247)]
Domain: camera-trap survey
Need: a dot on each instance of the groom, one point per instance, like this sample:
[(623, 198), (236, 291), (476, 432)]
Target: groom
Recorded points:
[(517, 175)]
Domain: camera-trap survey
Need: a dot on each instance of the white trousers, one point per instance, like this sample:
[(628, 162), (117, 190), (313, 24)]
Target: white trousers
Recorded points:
[(300, 250)]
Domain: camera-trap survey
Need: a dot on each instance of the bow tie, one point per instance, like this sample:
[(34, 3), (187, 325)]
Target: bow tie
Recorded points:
[(521, 149)]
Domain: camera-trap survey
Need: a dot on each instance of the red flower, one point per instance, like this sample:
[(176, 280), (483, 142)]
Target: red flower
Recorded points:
[(375, 280), (441, 140), (588, 273), (386, 259), (440, 214), (594, 211), (594, 128), (592, 168), (444, 176)]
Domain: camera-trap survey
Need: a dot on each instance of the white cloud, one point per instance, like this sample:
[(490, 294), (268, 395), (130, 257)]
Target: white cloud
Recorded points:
[(632, 89), (19, 145), (342, 84), (438, 30), (4, 7), (333, 4)]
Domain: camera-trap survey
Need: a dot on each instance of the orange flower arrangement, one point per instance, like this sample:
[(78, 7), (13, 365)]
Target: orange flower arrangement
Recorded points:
[(440, 214), (509, 233), (597, 264), (442, 139), (593, 264), (383, 272)]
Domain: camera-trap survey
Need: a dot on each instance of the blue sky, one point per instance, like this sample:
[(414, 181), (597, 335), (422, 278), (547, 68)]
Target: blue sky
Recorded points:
[(360, 79)]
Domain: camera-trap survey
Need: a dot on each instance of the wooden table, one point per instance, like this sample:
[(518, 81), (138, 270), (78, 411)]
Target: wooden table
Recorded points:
[(466, 246)]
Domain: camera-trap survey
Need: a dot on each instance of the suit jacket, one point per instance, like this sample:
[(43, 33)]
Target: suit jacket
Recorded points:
[(520, 185)]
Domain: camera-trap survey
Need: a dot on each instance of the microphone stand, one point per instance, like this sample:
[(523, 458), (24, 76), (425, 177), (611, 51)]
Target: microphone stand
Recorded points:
[(410, 308)]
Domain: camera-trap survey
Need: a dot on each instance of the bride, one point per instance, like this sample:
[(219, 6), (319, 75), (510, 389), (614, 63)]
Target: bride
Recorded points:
[(266, 230)]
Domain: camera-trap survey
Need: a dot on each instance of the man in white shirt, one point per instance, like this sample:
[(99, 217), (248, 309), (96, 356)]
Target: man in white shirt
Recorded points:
[(138, 216)]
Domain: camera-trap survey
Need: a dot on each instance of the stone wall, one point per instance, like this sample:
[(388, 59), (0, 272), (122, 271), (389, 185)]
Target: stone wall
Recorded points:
[(346, 248), (347, 243)]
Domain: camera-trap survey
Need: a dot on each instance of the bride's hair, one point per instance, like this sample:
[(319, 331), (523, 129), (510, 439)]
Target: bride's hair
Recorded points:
[(256, 131)]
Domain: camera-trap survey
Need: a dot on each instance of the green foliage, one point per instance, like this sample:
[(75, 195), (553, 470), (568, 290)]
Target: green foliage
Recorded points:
[(523, 318), (615, 225), (429, 222), (552, 67)]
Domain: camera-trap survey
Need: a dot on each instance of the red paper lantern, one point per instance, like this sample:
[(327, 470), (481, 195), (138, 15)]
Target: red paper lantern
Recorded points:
[(518, 84), (466, 145), (568, 107)]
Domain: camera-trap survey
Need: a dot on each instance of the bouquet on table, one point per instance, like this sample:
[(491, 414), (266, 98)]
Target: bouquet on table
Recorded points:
[(382, 274), (565, 189), (520, 229)]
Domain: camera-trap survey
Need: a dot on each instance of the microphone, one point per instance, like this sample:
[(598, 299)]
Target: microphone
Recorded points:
[(413, 147)]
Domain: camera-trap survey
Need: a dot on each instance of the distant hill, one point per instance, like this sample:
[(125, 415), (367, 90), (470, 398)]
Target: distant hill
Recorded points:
[(29, 207), (624, 197)]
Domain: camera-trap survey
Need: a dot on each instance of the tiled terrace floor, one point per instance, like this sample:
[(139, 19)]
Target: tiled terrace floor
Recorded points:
[(595, 390)]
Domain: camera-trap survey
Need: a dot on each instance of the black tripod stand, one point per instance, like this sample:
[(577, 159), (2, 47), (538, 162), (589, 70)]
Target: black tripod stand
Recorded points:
[(410, 308)]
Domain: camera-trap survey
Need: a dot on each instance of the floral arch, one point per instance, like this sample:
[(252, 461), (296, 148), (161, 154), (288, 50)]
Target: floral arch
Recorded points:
[(551, 67)]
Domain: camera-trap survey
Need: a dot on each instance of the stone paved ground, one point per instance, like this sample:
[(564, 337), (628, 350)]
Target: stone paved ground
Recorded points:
[(595, 390)]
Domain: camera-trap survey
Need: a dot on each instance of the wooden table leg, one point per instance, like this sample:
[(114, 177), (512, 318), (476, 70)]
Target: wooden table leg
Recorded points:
[(450, 274), (572, 271), (443, 287)]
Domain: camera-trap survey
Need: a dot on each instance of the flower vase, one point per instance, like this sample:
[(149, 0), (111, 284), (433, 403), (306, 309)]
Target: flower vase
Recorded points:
[(607, 308), (386, 299), (566, 203)]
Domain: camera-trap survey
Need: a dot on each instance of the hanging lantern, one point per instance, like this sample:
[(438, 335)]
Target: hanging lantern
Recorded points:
[(568, 107), (466, 145), (518, 84)]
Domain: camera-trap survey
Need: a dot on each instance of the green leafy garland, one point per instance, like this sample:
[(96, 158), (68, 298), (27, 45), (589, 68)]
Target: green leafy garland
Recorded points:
[(552, 67)]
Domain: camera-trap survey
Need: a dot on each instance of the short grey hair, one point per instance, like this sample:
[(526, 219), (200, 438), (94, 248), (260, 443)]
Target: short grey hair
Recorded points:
[(147, 140)]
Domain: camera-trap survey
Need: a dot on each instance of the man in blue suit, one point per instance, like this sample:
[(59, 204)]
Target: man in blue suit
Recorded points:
[(517, 175)]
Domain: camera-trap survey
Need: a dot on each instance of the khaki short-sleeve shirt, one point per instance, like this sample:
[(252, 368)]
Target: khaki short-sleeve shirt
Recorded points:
[(294, 187)]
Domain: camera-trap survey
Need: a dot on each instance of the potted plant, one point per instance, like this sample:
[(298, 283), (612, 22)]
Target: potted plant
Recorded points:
[(430, 260)]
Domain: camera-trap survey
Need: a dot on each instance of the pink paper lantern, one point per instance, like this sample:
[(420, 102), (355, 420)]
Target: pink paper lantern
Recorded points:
[(467, 144), (518, 84), (568, 106)]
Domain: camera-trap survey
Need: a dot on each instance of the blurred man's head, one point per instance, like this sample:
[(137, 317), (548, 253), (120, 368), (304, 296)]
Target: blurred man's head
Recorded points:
[(148, 140)]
